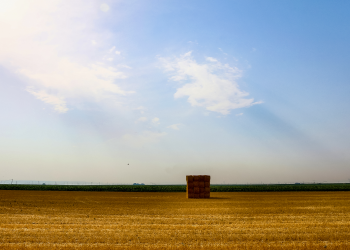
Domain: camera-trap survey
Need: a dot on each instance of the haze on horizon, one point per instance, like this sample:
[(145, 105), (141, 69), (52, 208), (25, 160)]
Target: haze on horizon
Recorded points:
[(150, 91)]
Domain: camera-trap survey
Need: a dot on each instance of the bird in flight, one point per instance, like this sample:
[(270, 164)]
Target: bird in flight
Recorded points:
[(128, 163)]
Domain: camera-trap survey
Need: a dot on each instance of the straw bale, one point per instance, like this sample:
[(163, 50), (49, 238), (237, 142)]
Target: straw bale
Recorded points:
[(189, 178), (198, 186), (196, 178)]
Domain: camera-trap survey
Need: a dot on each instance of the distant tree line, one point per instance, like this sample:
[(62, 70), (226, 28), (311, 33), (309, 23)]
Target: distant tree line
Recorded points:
[(181, 188)]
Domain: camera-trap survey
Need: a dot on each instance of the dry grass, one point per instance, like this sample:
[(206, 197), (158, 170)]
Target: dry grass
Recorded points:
[(93, 220)]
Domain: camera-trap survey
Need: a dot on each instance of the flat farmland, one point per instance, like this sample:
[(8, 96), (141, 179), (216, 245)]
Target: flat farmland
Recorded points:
[(122, 220)]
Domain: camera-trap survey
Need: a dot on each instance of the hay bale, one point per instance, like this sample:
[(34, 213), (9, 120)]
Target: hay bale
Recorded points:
[(198, 186), (189, 178), (190, 195)]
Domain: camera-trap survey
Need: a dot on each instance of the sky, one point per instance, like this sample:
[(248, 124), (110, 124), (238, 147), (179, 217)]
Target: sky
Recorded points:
[(150, 91)]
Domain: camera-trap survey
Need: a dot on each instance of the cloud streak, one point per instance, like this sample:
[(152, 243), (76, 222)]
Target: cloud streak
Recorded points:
[(175, 126), (211, 85), (58, 102), (56, 54)]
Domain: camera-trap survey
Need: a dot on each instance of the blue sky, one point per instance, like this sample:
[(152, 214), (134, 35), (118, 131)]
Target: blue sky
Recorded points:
[(246, 91)]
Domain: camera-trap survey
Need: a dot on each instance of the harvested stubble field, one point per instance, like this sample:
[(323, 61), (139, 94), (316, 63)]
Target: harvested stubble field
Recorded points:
[(121, 220)]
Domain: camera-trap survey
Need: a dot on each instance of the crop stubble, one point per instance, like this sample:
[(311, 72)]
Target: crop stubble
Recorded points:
[(95, 220)]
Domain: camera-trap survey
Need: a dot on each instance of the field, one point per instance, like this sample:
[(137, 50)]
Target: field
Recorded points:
[(165, 220)]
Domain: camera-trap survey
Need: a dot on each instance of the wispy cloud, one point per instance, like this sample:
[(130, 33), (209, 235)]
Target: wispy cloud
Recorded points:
[(175, 126), (223, 52), (155, 121), (111, 49), (104, 7), (58, 102), (211, 59), (142, 109), (211, 85), (56, 53), (142, 119), (144, 138), (193, 42)]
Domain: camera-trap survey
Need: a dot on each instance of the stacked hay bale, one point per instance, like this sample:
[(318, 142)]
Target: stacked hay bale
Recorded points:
[(198, 186)]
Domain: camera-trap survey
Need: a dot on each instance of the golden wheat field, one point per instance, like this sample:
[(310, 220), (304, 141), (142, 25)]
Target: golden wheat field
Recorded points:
[(103, 220)]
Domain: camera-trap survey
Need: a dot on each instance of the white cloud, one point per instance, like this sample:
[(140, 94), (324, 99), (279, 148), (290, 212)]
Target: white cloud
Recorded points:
[(44, 41), (212, 86), (145, 138), (117, 52), (111, 49), (211, 59), (175, 126), (58, 102), (239, 114), (74, 80), (141, 109), (104, 7), (123, 66), (223, 52), (192, 42), (155, 120), (142, 119)]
